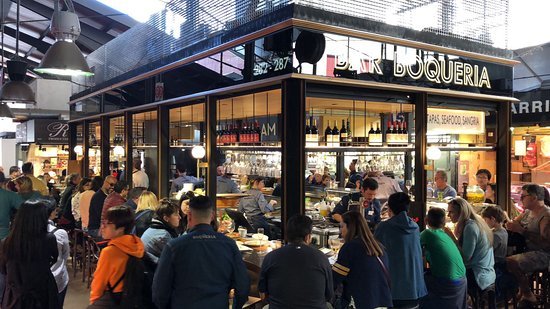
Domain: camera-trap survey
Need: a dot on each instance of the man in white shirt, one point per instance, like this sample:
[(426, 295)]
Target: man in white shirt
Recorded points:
[(139, 177)]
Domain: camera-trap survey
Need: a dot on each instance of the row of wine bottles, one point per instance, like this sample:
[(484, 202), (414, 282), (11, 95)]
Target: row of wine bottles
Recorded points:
[(397, 134), (245, 133)]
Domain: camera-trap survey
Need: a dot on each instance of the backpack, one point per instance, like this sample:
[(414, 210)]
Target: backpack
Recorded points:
[(135, 293)]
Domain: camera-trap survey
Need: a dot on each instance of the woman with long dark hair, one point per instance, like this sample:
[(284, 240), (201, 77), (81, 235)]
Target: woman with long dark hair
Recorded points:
[(361, 266), (27, 255), (83, 185)]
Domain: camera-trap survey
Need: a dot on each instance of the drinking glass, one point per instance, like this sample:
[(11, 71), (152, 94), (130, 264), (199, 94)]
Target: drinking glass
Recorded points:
[(335, 244), (230, 226), (261, 231)]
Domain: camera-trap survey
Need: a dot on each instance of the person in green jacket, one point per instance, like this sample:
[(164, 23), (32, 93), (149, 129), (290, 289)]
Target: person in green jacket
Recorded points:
[(446, 280)]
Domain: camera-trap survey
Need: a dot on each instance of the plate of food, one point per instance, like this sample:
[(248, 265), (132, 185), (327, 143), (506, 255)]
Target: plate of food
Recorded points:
[(254, 243), (260, 237), (233, 235)]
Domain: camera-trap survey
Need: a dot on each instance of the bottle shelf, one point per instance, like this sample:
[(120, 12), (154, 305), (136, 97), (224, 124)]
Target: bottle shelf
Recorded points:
[(409, 147)]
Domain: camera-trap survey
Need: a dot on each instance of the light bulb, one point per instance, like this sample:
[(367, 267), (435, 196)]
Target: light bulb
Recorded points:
[(198, 152), (433, 153)]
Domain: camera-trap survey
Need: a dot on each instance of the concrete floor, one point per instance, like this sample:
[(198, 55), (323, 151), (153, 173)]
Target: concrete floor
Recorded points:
[(78, 294)]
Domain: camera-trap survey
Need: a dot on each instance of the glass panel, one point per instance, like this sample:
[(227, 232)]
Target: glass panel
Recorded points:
[(462, 139), (87, 107), (79, 147), (94, 152), (249, 142), (145, 147), (187, 130), (117, 150), (352, 134)]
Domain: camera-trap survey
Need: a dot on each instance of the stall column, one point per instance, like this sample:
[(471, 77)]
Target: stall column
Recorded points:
[(85, 149), (72, 140), (420, 178), (210, 143), (503, 155), (128, 146), (163, 149), (105, 147), (293, 142)]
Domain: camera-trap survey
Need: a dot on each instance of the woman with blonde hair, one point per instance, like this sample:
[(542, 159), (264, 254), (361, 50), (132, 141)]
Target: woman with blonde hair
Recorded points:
[(146, 206), (362, 266), (475, 239), (23, 184)]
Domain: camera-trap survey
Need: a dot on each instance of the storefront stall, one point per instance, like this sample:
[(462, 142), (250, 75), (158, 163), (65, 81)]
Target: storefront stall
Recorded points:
[(530, 155), (299, 102)]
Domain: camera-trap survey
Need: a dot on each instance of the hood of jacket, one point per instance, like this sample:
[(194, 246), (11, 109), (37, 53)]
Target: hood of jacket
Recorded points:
[(160, 225), (129, 244), (403, 223)]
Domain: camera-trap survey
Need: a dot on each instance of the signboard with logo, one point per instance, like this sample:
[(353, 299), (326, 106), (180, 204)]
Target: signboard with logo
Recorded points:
[(43, 132), (445, 121), (533, 108)]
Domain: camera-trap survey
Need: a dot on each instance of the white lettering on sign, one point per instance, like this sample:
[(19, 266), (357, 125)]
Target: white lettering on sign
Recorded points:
[(445, 121), (57, 129), (531, 108), (443, 72)]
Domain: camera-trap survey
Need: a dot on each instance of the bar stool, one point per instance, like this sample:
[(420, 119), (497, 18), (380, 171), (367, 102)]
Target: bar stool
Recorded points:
[(541, 287), (480, 296)]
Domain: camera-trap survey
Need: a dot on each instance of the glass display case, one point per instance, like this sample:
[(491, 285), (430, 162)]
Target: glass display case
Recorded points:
[(94, 150), (117, 149)]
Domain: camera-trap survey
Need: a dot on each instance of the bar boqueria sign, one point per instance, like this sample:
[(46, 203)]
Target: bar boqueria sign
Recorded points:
[(451, 121)]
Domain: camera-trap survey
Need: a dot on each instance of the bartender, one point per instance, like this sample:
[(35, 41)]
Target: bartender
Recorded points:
[(224, 183), (177, 184), (483, 177), (254, 206), (366, 198)]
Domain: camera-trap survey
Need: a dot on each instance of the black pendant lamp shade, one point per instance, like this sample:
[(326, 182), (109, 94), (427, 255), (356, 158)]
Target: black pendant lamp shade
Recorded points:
[(64, 57), (16, 90)]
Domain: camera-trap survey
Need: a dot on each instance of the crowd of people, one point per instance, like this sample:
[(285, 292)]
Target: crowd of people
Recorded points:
[(159, 254)]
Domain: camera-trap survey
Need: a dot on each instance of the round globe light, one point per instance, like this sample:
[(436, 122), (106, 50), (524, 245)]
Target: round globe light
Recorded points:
[(433, 153), (118, 151), (198, 152), (78, 150)]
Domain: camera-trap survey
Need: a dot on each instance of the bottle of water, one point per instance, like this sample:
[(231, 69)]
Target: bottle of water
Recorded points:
[(430, 189)]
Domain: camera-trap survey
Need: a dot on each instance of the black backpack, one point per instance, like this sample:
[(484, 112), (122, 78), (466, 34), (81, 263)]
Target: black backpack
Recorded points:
[(133, 293)]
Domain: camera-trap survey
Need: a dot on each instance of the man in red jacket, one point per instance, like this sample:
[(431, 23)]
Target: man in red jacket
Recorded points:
[(115, 198)]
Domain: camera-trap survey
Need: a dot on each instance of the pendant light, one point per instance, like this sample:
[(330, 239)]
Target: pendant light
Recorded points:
[(15, 90), (64, 57)]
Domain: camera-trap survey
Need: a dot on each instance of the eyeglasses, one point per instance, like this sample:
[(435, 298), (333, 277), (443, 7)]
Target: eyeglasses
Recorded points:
[(111, 184), (105, 222), (523, 195)]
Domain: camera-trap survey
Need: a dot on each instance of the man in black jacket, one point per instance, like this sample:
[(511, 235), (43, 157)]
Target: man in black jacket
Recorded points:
[(96, 205)]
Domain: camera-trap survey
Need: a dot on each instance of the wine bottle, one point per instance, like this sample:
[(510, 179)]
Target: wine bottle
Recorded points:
[(350, 136), (257, 132), (371, 135), (389, 134), (335, 135), (315, 133), (328, 135), (378, 134), (308, 133), (405, 134), (343, 134)]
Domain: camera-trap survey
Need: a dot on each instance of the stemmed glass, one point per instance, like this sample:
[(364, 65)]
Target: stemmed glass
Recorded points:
[(230, 226), (408, 185), (335, 244)]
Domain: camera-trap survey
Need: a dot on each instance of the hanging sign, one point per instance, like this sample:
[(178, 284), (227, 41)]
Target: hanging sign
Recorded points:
[(44, 132), (533, 108), (159, 92), (451, 121)]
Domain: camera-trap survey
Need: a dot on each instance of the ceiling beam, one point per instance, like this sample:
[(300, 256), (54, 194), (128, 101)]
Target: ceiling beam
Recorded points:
[(40, 45), (8, 56), (87, 30)]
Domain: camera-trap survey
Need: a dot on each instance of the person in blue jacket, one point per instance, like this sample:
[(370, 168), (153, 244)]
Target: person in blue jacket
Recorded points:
[(198, 269), (400, 236)]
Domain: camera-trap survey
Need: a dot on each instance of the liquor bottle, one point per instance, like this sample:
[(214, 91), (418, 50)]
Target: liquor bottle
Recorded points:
[(308, 133), (389, 134), (328, 135), (315, 133), (398, 133), (335, 135), (343, 135), (350, 136), (234, 131), (371, 135)]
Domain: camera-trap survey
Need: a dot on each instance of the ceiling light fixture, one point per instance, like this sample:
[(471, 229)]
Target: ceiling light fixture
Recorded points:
[(64, 57), (15, 90)]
